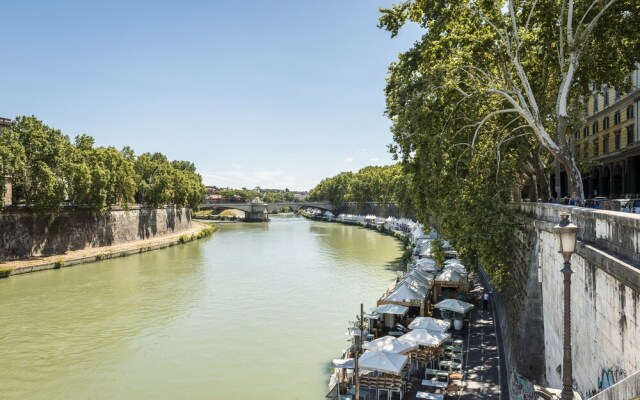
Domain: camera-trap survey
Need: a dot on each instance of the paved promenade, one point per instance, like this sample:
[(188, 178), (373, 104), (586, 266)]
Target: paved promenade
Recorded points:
[(99, 253), (484, 371)]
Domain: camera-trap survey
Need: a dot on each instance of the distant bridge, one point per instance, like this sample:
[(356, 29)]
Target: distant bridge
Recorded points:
[(260, 211)]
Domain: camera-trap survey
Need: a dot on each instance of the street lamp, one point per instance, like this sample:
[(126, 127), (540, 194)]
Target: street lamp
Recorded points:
[(566, 234)]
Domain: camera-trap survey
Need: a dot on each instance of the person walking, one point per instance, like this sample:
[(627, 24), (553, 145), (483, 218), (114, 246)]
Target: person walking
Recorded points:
[(574, 200), (485, 301)]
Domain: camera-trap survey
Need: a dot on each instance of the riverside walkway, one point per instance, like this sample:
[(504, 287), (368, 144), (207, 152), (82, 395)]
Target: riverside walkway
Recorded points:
[(484, 371), (92, 254)]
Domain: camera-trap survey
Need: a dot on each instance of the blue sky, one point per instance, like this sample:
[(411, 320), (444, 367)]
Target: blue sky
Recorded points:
[(276, 94)]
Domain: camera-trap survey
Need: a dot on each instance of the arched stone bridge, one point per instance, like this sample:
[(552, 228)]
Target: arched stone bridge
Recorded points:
[(260, 211)]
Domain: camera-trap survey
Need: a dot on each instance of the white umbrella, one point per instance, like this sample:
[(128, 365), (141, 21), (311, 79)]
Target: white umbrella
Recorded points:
[(432, 324), (392, 309), (457, 306), (343, 363), (413, 282), (382, 361), (424, 337), (422, 276), (456, 267), (404, 294), (419, 289), (450, 275), (389, 344)]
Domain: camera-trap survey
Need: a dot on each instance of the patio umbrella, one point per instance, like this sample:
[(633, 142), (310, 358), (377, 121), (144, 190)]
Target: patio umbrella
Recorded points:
[(450, 275), (421, 275), (343, 363), (457, 306), (404, 294), (392, 309), (424, 337), (382, 361), (432, 324), (389, 344)]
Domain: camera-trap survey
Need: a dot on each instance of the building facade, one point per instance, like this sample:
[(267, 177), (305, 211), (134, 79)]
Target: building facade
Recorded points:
[(608, 143)]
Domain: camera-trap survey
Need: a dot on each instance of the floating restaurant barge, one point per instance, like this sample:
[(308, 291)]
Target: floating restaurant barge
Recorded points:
[(399, 348)]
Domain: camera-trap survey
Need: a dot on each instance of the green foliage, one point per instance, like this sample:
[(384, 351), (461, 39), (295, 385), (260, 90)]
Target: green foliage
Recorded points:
[(377, 184), (47, 169), (5, 272), (437, 252), (58, 264), (464, 144)]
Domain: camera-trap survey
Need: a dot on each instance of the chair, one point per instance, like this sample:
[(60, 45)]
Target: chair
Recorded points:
[(453, 389)]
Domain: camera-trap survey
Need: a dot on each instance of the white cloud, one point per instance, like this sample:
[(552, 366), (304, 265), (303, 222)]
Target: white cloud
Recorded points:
[(348, 159), (374, 159)]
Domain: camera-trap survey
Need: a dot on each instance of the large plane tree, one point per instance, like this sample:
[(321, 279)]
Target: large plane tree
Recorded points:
[(535, 60), (490, 92)]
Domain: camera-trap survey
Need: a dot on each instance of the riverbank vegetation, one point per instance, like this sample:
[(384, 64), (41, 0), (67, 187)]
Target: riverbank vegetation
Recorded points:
[(48, 170), (386, 184), (489, 98)]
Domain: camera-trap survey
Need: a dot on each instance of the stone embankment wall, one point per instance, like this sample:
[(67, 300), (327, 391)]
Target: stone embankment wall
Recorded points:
[(383, 210), (604, 298), (25, 234)]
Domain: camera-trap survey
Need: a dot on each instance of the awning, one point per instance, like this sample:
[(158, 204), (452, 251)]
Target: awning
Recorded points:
[(344, 363), (432, 324), (382, 361), (389, 344), (424, 337), (392, 309), (453, 305)]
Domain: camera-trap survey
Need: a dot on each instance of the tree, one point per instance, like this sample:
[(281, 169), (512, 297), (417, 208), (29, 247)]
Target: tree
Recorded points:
[(534, 60), (40, 177)]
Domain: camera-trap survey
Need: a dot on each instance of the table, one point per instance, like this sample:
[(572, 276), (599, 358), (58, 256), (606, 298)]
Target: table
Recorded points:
[(440, 373), (429, 396), (451, 365), (435, 384)]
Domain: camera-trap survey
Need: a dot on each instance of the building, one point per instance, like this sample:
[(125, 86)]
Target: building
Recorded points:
[(8, 188), (608, 143)]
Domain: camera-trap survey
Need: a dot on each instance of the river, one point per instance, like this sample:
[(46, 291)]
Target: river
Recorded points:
[(256, 311)]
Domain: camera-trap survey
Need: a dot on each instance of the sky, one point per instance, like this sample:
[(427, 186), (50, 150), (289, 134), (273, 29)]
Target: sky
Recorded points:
[(277, 94)]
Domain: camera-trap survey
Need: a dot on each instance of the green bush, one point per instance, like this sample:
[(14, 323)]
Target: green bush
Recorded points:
[(5, 272), (58, 264)]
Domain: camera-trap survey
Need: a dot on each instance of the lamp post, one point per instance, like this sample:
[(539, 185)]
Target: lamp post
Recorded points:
[(566, 235)]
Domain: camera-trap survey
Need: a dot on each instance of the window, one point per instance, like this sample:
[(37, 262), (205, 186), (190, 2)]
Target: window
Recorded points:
[(605, 122), (605, 94), (595, 148), (630, 112), (594, 86), (617, 95), (585, 150), (577, 135), (617, 139), (605, 144), (585, 131), (595, 103), (595, 128), (630, 135), (616, 118)]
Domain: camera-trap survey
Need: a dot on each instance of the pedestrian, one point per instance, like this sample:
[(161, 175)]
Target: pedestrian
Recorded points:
[(574, 200), (554, 197), (485, 301)]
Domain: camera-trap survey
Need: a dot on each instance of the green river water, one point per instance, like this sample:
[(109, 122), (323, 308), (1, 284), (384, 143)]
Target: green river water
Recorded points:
[(256, 311)]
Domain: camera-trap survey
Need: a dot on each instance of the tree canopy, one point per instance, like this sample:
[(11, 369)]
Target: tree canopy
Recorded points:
[(47, 169), (489, 95), (378, 184)]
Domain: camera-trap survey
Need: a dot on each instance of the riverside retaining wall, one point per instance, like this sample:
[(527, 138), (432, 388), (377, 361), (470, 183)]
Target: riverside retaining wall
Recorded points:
[(604, 298), (26, 234)]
